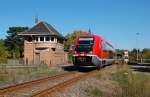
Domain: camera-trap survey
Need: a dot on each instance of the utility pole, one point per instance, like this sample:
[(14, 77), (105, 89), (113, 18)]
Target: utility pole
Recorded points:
[(137, 55), (36, 19)]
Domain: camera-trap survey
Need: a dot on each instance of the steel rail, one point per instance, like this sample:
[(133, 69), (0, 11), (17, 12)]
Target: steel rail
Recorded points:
[(31, 83), (61, 86)]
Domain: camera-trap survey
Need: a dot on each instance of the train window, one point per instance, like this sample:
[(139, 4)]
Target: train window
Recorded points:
[(105, 47), (85, 44)]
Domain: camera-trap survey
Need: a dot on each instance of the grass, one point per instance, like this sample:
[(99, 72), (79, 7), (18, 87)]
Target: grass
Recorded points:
[(10, 76), (120, 82), (132, 84), (98, 75), (93, 92), (96, 92), (121, 77)]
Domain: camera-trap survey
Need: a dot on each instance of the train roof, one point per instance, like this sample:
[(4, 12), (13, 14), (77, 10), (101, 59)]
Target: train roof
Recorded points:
[(90, 35)]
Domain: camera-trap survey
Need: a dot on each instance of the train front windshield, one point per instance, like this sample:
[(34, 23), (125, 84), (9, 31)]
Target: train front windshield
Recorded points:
[(85, 44)]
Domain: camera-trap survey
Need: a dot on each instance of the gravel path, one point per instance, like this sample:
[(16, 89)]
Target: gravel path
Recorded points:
[(100, 85)]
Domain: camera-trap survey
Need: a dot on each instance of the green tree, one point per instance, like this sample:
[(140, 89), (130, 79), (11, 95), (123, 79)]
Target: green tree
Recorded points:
[(70, 37), (133, 55), (146, 53), (14, 42), (3, 52)]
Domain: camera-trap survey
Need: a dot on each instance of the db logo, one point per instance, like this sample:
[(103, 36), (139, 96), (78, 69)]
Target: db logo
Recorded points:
[(82, 54)]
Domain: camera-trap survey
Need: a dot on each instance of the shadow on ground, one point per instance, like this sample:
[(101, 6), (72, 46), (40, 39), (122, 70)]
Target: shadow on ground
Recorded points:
[(142, 70), (141, 67)]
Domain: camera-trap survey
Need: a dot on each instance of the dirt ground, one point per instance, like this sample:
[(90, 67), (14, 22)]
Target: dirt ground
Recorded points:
[(108, 82), (100, 84)]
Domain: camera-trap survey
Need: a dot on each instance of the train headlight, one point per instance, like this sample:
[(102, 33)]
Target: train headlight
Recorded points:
[(75, 52)]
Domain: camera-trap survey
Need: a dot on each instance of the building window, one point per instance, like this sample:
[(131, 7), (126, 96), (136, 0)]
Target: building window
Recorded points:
[(60, 41), (47, 38), (29, 39), (36, 38), (53, 49), (41, 38), (52, 38)]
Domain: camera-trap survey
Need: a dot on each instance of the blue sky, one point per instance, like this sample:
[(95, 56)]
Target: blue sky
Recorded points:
[(117, 21)]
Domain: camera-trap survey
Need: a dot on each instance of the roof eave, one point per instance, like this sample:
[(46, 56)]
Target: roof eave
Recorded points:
[(24, 34)]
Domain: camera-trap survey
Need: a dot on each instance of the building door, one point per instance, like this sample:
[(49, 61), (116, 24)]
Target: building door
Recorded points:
[(37, 58)]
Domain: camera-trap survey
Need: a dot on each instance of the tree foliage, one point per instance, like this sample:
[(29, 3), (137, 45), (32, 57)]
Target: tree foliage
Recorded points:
[(133, 54), (14, 42), (146, 53), (3, 52), (142, 54)]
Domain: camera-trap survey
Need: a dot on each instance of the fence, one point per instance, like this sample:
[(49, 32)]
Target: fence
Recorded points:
[(15, 61), (143, 61)]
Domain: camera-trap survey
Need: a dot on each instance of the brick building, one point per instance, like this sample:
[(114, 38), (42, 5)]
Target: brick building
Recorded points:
[(43, 45)]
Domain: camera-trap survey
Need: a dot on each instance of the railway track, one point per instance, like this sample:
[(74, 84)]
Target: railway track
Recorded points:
[(28, 88), (61, 86), (45, 87)]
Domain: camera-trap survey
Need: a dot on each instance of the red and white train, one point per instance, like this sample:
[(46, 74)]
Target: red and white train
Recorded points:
[(91, 50)]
